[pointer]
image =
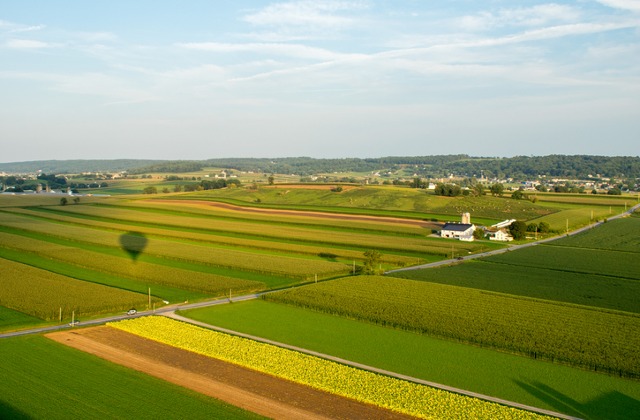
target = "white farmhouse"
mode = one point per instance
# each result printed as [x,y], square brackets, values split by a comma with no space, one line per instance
[461,231]
[500,235]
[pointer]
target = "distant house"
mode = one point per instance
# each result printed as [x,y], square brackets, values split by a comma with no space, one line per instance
[499,235]
[461,231]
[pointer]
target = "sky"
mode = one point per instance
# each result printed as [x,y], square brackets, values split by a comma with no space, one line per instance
[325,78]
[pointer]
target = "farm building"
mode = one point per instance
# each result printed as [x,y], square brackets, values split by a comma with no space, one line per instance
[499,235]
[462,231]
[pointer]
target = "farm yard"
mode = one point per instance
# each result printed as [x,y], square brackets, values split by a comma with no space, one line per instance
[542,314]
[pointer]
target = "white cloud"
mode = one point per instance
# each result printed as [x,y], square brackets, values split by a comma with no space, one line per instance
[282,49]
[306,13]
[633,5]
[538,15]
[26,44]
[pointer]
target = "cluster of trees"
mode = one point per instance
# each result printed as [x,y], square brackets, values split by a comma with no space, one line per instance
[205,184]
[519,229]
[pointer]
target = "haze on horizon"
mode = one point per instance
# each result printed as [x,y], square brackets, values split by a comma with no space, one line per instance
[327,78]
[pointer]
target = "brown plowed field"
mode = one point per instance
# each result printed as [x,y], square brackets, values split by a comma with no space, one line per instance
[250,390]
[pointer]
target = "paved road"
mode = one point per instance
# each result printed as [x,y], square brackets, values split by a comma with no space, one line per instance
[514,247]
[104,320]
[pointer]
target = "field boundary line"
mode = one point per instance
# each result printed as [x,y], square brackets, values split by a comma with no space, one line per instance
[372,369]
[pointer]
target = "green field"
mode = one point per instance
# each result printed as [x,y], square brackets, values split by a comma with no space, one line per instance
[403,201]
[10,318]
[596,268]
[571,287]
[616,235]
[586,337]
[43,379]
[49,296]
[560,388]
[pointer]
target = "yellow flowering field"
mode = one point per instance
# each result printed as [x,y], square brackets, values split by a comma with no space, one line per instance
[398,395]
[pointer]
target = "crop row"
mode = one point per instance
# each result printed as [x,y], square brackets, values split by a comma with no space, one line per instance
[616,235]
[227,212]
[45,295]
[129,268]
[66,226]
[215,256]
[414,399]
[589,338]
[563,286]
[266,230]
[578,260]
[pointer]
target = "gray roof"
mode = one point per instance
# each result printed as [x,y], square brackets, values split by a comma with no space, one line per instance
[457,227]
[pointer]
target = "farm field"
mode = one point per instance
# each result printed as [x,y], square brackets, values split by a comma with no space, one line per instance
[575,392]
[596,268]
[404,201]
[580,336]
[38,382]
[595,290]
[415,242]
[49,296]
[379,390]
[559,301]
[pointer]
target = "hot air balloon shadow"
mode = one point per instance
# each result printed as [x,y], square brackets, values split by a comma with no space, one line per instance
[133,243]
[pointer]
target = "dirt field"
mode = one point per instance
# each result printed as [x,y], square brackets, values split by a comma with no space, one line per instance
[253,391]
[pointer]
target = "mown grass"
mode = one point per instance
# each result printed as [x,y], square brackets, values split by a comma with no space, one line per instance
[46,380]
[571,391]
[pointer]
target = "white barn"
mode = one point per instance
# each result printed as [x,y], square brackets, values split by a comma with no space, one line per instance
[462,231]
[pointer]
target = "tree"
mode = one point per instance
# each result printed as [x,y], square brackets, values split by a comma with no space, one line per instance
[518,229]
[544,227]
[76,200]
[478,234]
[165,190]
[478,190]
[517,195]
[177,188]
[150,190]
[271,179]
[497,189]
[63,201]
[372,259]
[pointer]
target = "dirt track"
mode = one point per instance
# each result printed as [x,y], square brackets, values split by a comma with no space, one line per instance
[250,390]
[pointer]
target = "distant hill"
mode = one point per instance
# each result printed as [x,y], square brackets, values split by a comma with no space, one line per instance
[439,166]
[75,166]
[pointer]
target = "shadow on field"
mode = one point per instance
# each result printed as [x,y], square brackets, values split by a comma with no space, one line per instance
[7,411]
[133,243]
[611,406]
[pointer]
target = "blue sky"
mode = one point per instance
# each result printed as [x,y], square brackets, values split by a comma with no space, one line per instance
[204,79]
